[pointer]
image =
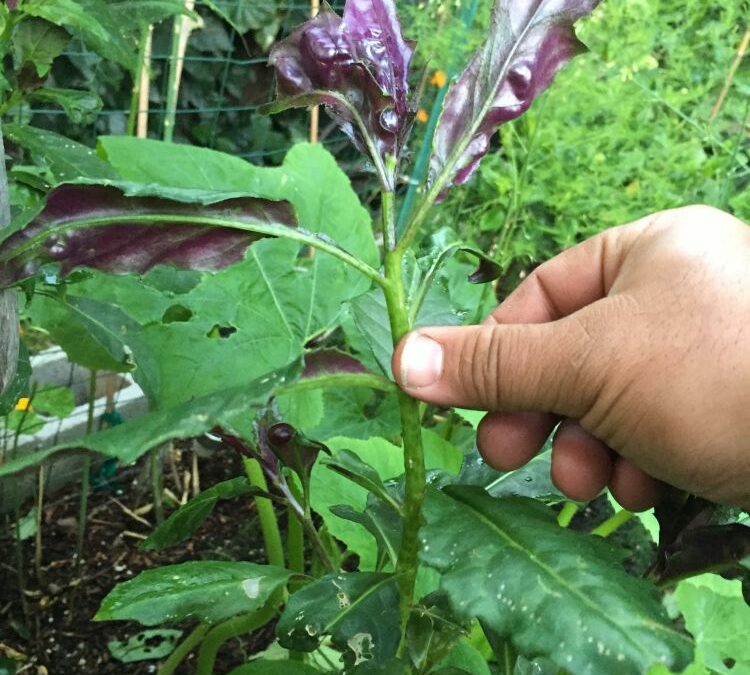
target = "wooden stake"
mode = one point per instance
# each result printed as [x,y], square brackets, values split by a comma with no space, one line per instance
[741,51]
[315,110]
[144,87]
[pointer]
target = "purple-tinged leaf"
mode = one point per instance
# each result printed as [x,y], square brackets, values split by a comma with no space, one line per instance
[330,361]
[99,227]
[357,67]
[529,42]
[11,4]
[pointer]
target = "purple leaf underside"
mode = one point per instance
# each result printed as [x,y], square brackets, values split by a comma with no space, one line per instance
[356,63]
[133,240]
[529,42]
[329,362]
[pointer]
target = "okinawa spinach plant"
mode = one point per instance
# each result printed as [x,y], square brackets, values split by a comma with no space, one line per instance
[451,561]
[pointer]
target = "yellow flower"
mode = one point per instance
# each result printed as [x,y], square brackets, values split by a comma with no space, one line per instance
[422,116]
[23,404]
[439,79]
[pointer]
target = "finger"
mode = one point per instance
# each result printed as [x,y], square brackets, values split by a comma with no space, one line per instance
[573,279]
[581,464]
[554,367]
[507,441]
[633,488]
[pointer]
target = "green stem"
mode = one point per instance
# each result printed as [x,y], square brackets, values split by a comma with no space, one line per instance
[183,649]
[389,220]
[268,523]
[39,525]
[411,430]
[232,628]
[176,60]
[613,524]
[565,516]
[156,219]
[295,537]
[137,79]
[85,472]
[340,380]
[157,488]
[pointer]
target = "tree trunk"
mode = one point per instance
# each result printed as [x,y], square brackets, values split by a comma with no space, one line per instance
[9,297]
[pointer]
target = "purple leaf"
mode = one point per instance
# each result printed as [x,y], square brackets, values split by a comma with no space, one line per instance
[97,226]
[330,361]
[357,66]
[529,42]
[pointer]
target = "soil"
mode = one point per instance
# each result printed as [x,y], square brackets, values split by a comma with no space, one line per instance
[54,633]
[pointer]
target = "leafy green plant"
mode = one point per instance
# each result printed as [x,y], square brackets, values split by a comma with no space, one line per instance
[275,352]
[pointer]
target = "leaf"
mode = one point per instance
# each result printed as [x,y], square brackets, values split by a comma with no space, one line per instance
[209,591]
[463,658]
[19,385]
[66,159]
[147,12]
[528,43]
[39,43]
[54,402]
[552,592]
[359,612]
[99,227]
[357,67]
[719,620]
[348,465]
[129,441]
[184,522]
[266,667]
[79,106]
[147,645]
[382,522]
[329,489]
[94,21]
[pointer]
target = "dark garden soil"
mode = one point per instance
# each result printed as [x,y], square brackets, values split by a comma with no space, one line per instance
[54,633]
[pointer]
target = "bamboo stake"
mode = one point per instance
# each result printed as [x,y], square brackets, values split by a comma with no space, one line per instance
[741,51]
[315,110]
[144,86]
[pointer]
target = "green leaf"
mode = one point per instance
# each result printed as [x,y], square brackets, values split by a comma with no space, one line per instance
[79,106]
[348,465]
[26,525]
[463,658]
[329,489]
[359,612]
[66,159]
[55,402]
[39,43]
[382,522]
[266,667]
[209,591]
[147,645]
[303,410]
[147,12]
[93,20]
[357,413]
[552,592]
[717,617]
[128,441]
[183,523]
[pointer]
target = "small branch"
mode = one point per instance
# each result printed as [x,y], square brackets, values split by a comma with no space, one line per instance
[567,513]
[268,523]
[183,649]
[612,524]
[741,51]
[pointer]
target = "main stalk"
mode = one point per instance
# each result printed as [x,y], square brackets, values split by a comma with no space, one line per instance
[411,428]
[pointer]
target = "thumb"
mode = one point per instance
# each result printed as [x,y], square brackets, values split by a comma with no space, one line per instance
[531,367]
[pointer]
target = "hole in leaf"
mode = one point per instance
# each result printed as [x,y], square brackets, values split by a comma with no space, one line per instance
[222,332]
[176,314]
[729,663]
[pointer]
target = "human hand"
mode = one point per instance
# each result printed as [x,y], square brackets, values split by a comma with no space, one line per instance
[638,339]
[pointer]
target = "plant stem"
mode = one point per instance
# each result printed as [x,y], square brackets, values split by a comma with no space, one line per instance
[613,524]
[39,523]
[389,220]
[183,649]
[156,484]
[268,523]
[234,627]
[85,472]
[339,380]
[565,516]
[183,26]
[141,73]
[411,430]
[295,537]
